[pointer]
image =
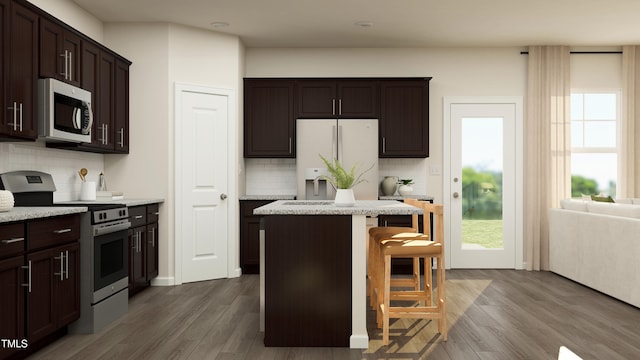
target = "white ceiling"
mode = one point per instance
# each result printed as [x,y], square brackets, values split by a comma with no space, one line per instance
[396,23]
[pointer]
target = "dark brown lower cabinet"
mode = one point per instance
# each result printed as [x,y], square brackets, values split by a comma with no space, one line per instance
[143,246]
[137,264]
[39,282]
[11,302]
[53,299]
[249,236]
[308,280]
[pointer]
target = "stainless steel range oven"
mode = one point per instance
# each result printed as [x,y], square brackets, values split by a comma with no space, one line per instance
[104,282]
[104,251]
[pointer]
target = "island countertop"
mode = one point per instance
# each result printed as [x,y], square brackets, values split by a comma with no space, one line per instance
[327,207]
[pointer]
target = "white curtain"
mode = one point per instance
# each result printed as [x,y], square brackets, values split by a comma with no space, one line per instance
[628,170]
[547,146]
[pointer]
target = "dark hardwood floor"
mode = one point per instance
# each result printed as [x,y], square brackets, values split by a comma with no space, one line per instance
[492,314]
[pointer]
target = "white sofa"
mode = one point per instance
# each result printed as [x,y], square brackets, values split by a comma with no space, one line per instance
[598,244]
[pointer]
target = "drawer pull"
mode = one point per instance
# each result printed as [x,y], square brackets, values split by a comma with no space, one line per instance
[11,241]
[156,213]
[138,217]
[61,231]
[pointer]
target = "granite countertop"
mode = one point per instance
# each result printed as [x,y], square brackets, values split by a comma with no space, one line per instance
[37,212]
[327,207]
[126,202]
[400,197]
[267,197]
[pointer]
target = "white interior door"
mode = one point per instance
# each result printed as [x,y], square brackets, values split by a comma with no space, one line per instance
[483,185]
[202,170]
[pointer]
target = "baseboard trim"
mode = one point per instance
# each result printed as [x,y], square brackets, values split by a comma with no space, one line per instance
[163,281]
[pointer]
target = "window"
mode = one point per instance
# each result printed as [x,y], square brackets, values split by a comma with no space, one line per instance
[594,142]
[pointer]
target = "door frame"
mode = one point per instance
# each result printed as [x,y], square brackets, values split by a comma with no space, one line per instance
[233,243]
[449,101]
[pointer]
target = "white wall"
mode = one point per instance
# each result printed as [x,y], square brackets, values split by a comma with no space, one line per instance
[163,55]
[455,72]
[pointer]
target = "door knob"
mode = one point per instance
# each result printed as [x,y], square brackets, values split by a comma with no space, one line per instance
[223,196]
[455,195]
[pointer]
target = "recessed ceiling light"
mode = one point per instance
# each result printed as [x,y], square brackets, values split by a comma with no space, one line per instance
[219,24]
[364,24]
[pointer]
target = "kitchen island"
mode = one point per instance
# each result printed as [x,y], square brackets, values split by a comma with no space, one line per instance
[313,271]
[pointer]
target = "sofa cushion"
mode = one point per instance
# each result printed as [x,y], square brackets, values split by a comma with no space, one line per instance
[624,210]
[573,204]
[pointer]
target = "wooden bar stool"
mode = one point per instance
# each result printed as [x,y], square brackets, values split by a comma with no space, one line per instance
[432,308]
[385,233]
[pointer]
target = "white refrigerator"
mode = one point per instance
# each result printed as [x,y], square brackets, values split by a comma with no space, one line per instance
[351,141]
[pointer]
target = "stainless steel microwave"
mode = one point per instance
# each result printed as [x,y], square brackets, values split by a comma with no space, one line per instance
[64,112]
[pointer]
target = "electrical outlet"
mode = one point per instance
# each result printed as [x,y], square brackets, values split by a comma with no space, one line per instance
[434,170]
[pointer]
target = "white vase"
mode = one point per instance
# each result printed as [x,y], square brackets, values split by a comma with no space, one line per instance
[405,190]
[344,197]
[389,185]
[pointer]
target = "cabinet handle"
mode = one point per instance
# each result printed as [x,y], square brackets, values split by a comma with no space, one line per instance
[65,72]
[138,217]
[70,66]
[16,107]
[105,134]
[62,267]
[66,262]
[121,131]
[28,284]
[153,237]
[290,146]
[139,236]
[135,242]
[333,106]
[11,241]
[61,231]
[15,116]
[384,145]
[156,213]
[340,107]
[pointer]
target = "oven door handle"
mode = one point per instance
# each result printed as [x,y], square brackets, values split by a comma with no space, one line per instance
[112,228]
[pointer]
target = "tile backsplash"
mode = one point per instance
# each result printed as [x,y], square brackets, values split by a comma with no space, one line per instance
[63,165]
[278,176]
[271,176]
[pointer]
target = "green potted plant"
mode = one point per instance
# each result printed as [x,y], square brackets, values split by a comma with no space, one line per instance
[405,188]
[343,181]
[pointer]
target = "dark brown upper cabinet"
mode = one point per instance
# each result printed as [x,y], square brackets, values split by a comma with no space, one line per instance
[106,76]
[121,106]
[19,40]
[33,45]
[343,98]
[404,118]
[60,53]
[269,118]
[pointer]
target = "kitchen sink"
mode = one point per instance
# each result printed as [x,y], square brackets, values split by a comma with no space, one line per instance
[308,203]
